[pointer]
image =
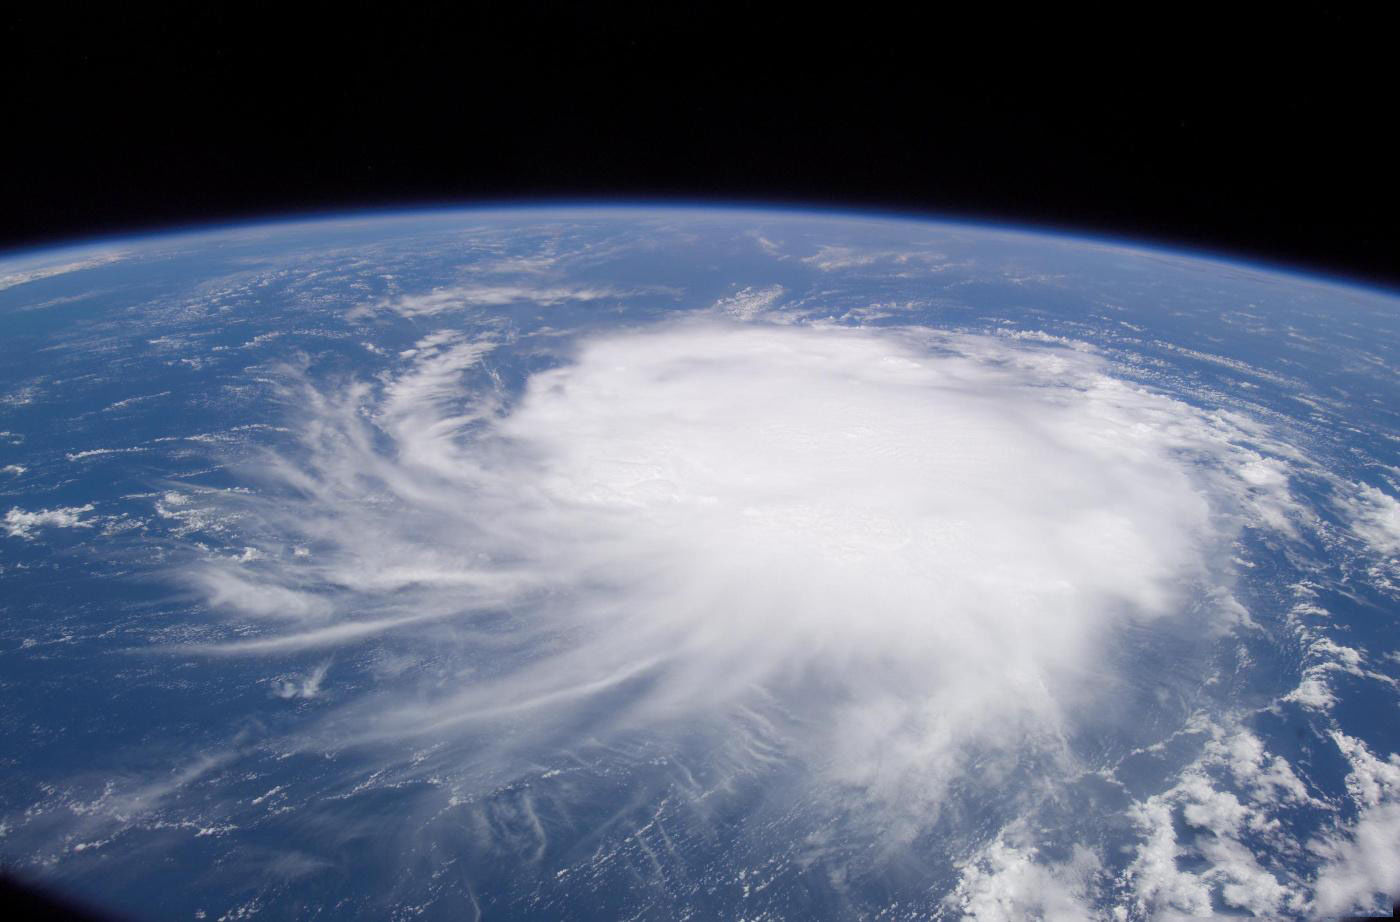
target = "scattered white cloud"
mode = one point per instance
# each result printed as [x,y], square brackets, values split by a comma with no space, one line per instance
[1323,656]
[1372,781]
[460,297]
[830,258]
[749,303]
[1221,833]
[1008,884]
[1158,884]
[21,524]
[1040,336]
[305,687]
[1375,519]
[1204,843]
[1313,692]
[21,396]
[1269,779]
[1236,365]
[766,245]
[187,516]
[1360,869]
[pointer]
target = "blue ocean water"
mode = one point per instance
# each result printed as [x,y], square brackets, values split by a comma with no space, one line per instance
[385,567]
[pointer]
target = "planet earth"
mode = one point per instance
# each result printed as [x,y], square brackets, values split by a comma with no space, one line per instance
[695,563]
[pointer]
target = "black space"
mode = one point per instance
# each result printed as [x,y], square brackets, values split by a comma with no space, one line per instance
[1266,139]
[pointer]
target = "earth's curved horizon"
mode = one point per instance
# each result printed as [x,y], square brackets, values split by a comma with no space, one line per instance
[639,561]
[1252,260]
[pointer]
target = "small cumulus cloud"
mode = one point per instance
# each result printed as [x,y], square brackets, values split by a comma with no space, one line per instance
[304,687]
[21,524]
[749,303]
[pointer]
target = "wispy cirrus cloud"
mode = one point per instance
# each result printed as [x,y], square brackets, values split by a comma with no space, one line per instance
[462,297]
[831,258]
[18,274]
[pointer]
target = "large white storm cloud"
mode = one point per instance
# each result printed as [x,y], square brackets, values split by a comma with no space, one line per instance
[908,565]
[916,545]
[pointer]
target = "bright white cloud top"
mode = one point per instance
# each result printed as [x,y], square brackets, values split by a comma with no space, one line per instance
[944,533]
[555,579]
